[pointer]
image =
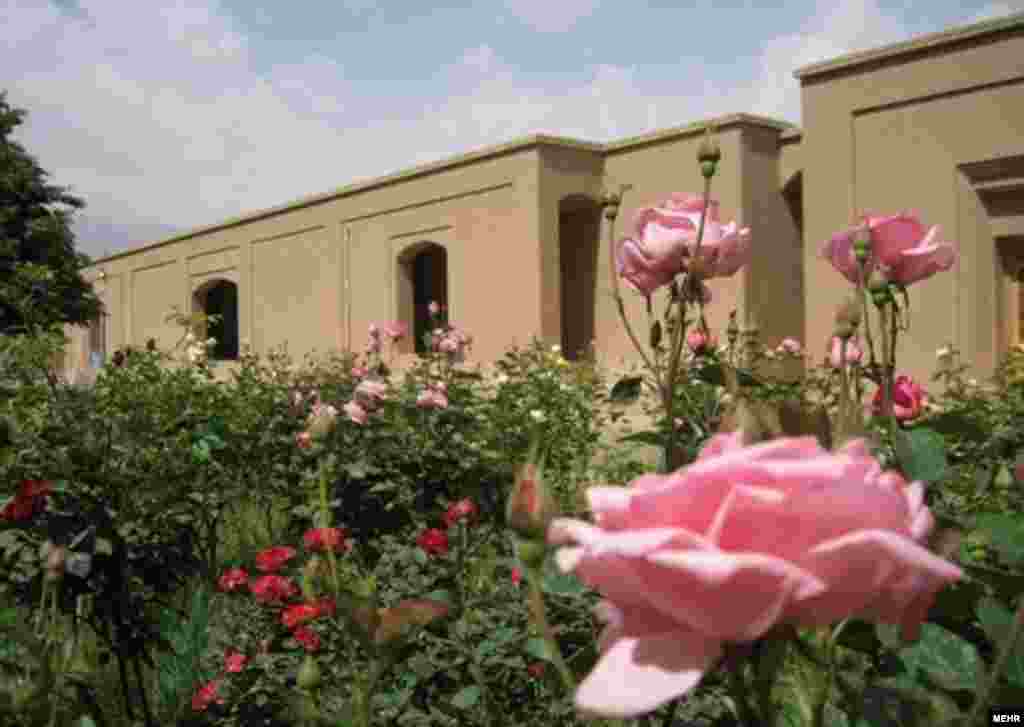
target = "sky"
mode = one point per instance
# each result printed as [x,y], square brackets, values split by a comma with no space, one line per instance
[169,115]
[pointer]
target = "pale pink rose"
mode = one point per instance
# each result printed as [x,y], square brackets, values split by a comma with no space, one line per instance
[359,372]
[433,308]
[908,399]
[743,540]
[432,399]
[449,345]
[665,237]
[370,392]
[439,386]
[355,412]
[853,352]
[396,331]
[304,440]
[791,346]
[905,249]
[374,330]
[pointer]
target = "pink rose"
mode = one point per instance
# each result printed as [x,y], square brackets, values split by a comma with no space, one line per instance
[433,308]
[355,412]
[853,352]
[274,589]
[359,372]
[233,579]
[665,236]
[304,440]
[396,331]
[432,399]
[791,346]
[904,248]
[206,696]
[744,539]
[908,399]
[369,393]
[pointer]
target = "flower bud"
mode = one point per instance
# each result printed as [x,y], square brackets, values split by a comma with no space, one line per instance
[733,330]
[396,621]
[862,245]
[709,151]
[848,314]
[321,421]
[55,563]
[530,509]
[708,169]
[531,553]
[309,674]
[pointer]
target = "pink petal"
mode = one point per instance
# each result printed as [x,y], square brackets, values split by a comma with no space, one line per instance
[638,674]
[874,569]
[712,591]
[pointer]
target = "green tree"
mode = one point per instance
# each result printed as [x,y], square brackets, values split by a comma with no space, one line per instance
[40,281]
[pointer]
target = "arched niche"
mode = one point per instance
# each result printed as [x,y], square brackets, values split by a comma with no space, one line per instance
[219,297]
[422,278]
[579,232]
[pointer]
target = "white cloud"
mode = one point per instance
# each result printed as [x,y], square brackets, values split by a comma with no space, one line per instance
[551,16]
[160,119]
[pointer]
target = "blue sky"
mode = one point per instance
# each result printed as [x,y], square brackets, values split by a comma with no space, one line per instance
[170,115]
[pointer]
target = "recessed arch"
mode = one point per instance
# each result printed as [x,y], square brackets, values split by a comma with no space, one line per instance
[579,231]
[219,297]
[793,194]
[422,271]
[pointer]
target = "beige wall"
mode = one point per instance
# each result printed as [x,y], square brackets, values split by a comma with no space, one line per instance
[896,134]
[935,125]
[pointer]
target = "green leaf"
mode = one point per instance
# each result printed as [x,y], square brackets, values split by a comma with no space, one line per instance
[997,620]
[466,697]
[1006,534]
[922,454]
[440,595]
[649,437]
[947,659]
[958,424]
[626,390]
[538,649]
[561,584]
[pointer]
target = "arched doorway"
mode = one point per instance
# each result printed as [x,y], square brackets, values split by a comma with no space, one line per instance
[220,298]
[579,231]
[422,279]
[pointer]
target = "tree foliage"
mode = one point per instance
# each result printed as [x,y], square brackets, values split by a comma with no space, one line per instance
[40,281]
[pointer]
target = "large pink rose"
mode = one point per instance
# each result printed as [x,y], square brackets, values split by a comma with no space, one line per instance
[743,540]
[665,237]
[908,399]
[905,249]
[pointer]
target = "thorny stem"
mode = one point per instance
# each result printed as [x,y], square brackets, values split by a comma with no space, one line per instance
[1005,650]
[615,288]
[541,620]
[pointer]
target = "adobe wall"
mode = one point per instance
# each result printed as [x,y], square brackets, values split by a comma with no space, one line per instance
[902,133]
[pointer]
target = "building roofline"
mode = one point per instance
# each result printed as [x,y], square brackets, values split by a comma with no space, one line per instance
[509,147]
[919,44]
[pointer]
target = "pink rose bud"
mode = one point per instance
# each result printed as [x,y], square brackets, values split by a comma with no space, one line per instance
[853,352]
[304,440]
[433,308]
[698,341]
[530,508]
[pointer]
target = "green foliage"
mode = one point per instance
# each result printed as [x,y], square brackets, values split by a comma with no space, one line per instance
[179,670]
[40,284]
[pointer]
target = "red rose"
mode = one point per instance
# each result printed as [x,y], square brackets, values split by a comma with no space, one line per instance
[206,696]
[321,539]
[464,509]
[433,541]
[30,500]
[517,575]
[234,662]
[233,579]
[307,637]
[299,614]
[536,669]
[274,589]
[271,559]
[326,607]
